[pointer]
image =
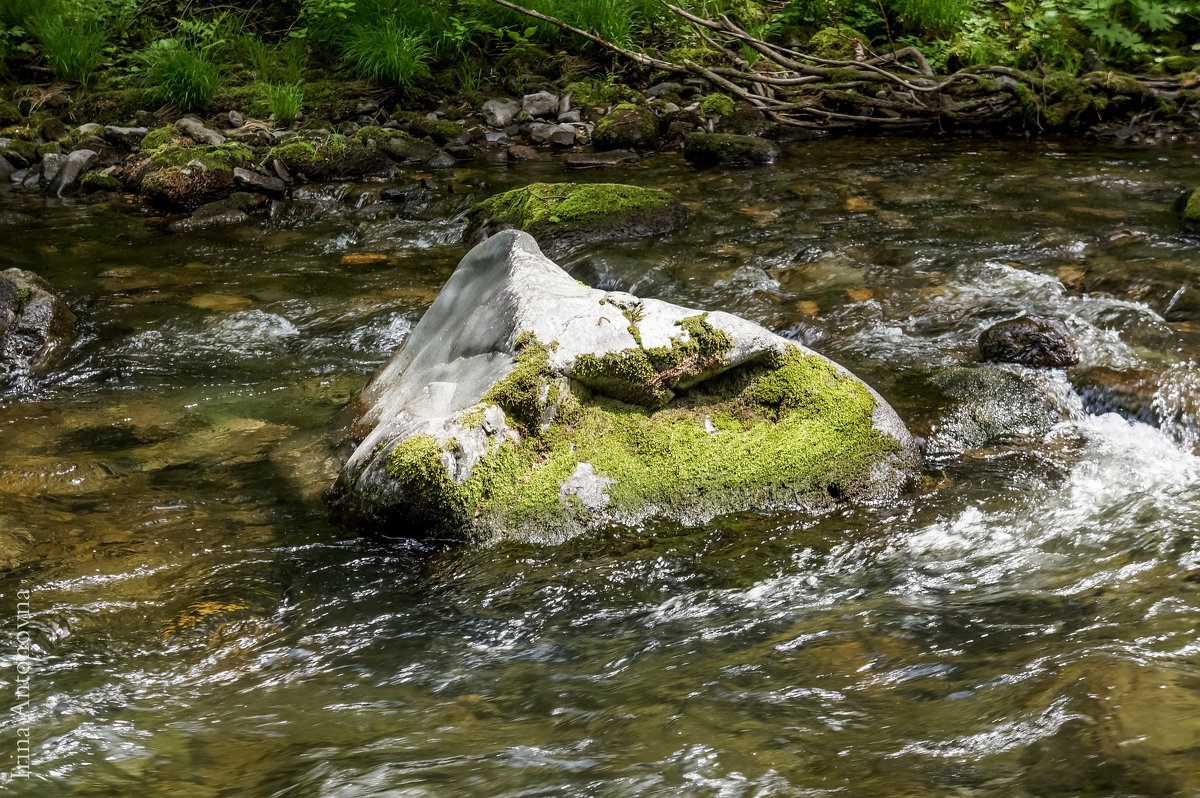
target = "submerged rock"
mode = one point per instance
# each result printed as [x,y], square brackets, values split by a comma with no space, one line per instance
[728,149]
[36,327]
[1038,341]
[565,215]
[526,404]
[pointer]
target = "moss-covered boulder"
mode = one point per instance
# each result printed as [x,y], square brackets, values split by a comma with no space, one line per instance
[330,157]
[627,126]
[527,405]
[36,326]
[1188,208]
[566,215]
[728,149]
[180,175]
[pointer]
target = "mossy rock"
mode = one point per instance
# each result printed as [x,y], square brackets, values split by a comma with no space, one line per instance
[443,132]
[10,114]
[1179,64]
[96,183]
[116,107]
[398,145]
[728,149]
[558,408]
[836,44]
[717,105]
[330,157]
[1188,208]
[627,126]
[179,175]
[159,137]
[567,215]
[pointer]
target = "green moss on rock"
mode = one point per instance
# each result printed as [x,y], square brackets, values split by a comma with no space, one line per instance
[329,157]
[94,182]
[728,149]
[789,433]
[626,126]
[836,44]
[160,137]
[563,214]
[1188,208]
[717,105]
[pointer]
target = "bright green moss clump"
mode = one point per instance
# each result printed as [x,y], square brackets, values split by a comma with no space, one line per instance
[784,433]
[557,203]
[1188,207]
[717,105]
[160,137]
[213,157]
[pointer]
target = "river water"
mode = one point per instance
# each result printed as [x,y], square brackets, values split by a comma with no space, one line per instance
[1023,625]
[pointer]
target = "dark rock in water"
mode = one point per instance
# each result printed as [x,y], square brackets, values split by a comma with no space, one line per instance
[68,174]
[525,405]
[1038,341]
[224,213]
[1188,208]
[728,149]
[96,183]
[443,160]
[566,215]
[36,327]
[668,87]
[1127,392]
[989,406]
[6,170]
[256,181]
[625,127]
[523,152]
[594,160]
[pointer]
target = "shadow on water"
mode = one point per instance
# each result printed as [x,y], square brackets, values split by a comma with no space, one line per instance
[1023,626]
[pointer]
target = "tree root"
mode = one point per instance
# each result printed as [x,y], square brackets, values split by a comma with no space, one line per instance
[899,90]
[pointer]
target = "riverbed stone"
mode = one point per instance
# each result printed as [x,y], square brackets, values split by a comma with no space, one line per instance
[331,156]
[728,149]
[500,113]
[566,215]
[627,126]
[68,174]
[36,326]
[525,405]
[540,104]
[256,181]
[1188,208]
[198,132]
[128,137]
[180,176]
[6,170]
[597,160]
[1038,341]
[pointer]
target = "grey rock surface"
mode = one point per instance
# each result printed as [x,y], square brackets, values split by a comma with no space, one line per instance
[69,173]
[434,393]
[36,326]
[195,130]
[500,113]
[542,103]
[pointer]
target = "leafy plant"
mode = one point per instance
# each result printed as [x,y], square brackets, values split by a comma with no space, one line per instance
[388,53]
[72,44]
[285,101]
[185,75]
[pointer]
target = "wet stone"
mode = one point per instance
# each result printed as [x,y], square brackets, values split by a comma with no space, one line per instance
[1038,341]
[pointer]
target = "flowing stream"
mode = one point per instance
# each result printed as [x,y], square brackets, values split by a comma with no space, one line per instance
[1024,625]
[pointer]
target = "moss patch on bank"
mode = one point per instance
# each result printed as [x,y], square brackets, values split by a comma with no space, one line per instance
[785,433]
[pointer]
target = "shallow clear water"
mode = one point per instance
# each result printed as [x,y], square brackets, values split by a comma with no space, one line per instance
[1025,625]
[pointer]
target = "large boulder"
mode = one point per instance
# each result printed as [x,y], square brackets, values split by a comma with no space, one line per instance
[527,405]
[566,215]
[36,327]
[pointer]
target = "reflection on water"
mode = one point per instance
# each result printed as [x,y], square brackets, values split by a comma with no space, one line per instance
[1025,626]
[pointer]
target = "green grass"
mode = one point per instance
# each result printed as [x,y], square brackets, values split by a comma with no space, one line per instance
[72,45]
[285,101]
[185,76]
[388,54]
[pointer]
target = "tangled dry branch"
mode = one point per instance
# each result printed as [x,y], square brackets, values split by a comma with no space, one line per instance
[897,90]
